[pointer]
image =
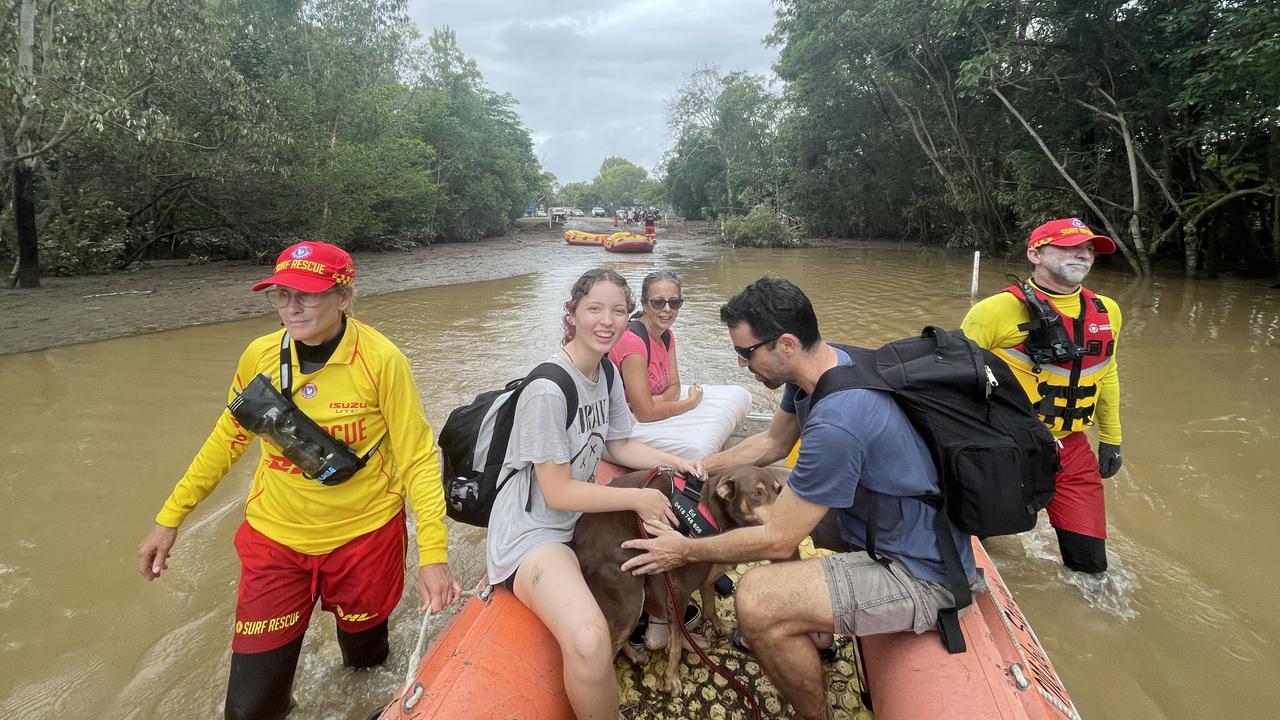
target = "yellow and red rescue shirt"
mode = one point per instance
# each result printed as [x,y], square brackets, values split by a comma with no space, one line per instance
[993,324]
[363,394]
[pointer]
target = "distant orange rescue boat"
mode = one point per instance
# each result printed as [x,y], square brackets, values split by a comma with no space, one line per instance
[629,242]
[578,237]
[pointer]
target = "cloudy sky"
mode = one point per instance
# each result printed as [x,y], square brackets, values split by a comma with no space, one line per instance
[592,76]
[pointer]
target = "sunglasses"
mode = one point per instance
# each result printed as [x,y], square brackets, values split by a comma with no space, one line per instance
[660,303]
[745,352]
[281,298]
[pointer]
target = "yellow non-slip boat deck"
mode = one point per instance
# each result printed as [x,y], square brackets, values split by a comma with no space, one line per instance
[707,695]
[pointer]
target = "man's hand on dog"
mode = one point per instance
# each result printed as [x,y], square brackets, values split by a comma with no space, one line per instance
[662,552]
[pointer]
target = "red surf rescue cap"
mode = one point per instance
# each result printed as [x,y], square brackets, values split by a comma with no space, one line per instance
[311,266]
[1069,232]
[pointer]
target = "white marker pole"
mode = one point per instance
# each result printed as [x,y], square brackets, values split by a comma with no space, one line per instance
[973,286]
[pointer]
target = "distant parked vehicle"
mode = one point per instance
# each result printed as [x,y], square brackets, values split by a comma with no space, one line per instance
[597,211]
[540,213]
[559,213]
[577,213]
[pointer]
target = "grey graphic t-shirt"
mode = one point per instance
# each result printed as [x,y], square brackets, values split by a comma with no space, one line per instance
[539,436]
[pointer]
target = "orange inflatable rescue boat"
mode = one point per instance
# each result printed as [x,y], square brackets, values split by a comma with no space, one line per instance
[578,237]
[496,660]
[629,242]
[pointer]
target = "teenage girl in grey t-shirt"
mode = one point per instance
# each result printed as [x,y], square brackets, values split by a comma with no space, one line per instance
[528,551]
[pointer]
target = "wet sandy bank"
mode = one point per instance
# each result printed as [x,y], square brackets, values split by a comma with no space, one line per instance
[165,296]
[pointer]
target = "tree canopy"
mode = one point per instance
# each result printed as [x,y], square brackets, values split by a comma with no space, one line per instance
[619,183]
[971,121]
[229,128]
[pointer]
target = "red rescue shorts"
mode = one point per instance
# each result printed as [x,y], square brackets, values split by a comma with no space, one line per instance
[360,583]
[1078,504]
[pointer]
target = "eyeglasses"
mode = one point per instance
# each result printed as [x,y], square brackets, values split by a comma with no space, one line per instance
[282,298]
[745,352]
[660,303]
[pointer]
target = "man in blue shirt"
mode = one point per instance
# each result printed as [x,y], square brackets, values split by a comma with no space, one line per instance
[858,449]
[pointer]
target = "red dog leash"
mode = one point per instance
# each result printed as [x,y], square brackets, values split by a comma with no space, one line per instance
[677,613]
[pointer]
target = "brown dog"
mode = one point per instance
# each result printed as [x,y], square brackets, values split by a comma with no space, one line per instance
[740,496]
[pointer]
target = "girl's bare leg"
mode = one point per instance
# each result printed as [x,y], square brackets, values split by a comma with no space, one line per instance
[550,584]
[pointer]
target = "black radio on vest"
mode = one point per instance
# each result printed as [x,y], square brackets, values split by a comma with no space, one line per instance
[1047,340]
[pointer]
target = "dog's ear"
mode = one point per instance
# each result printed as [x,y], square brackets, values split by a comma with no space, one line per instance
[726,489]
[714,475]
[778,476]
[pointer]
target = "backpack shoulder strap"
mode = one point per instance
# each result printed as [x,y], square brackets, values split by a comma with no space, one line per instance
[666,339]
[606,367]
[637,327]
[861,374]
[506,415]
[558,375]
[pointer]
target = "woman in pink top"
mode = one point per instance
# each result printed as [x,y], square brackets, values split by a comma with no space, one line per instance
[652,379]
[690,420]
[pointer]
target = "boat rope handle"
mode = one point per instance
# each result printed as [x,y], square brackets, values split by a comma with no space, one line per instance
[416,658]
[417,650]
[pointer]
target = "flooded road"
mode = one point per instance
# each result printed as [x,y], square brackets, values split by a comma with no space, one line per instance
[1183,629]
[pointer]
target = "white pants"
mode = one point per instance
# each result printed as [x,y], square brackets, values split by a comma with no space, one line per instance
[702,430]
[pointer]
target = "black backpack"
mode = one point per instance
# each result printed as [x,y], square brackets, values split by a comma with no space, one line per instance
[473,441]
[996,460]
[638,328]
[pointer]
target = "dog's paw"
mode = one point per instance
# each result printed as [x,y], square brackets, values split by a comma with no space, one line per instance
[723,628]
[639,657]
[673,683]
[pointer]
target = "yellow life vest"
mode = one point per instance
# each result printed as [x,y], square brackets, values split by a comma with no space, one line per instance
[1065,393]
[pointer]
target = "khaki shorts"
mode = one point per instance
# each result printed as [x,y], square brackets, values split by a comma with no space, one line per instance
[868,598]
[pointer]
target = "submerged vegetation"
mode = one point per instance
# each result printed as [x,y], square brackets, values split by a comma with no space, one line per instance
[762,227]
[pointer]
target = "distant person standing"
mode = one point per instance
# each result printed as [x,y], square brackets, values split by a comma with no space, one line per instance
[1060,339]
[650,218]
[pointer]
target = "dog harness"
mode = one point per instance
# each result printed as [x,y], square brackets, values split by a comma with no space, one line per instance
[686,502]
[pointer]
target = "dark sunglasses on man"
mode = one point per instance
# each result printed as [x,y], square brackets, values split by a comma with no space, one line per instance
[745,352]
[660,303]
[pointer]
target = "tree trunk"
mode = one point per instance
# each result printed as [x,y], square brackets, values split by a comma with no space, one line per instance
[1275,230]
[1190,250]
[1273,160]
[1139,263]
[1135,234]
[26,273]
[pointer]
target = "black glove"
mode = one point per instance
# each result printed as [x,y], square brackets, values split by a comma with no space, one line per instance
[1108,459]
